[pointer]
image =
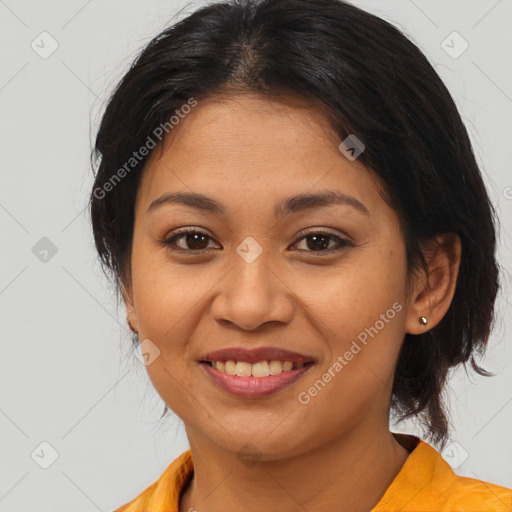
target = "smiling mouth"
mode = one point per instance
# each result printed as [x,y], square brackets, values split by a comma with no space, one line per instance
[264,368]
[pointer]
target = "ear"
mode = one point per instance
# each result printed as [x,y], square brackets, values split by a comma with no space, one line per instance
[433,291]
[131,314]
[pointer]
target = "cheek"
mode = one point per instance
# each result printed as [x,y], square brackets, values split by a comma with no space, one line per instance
[353,295]
[355,381]
[166,303]
[359,311]
[165,293]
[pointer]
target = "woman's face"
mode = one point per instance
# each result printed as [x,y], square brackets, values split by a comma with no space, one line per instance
[315,282]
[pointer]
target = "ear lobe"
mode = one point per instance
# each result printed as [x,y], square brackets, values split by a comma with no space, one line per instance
[434,292]
[131,314]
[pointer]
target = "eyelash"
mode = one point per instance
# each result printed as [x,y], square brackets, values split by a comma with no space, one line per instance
[169,242]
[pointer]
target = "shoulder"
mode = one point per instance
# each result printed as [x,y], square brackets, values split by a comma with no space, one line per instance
[427,483]
[471,494]
[164,494]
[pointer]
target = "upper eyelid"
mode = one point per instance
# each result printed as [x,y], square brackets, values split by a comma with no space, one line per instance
[186,231]
[312,231]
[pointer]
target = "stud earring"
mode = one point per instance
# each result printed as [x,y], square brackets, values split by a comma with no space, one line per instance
[422,320]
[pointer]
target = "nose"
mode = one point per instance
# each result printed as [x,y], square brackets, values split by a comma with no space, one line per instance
[253,294]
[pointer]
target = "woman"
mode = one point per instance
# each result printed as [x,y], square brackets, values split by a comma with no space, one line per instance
[289,202]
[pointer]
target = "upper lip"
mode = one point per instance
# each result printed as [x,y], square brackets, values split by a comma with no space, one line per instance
[256,355]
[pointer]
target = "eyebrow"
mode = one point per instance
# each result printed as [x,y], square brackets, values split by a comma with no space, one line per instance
[288,206]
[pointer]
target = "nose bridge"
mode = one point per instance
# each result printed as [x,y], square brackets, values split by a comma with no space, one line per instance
[251,293]
[253,273]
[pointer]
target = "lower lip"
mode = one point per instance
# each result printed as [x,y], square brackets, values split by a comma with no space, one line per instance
[254,387]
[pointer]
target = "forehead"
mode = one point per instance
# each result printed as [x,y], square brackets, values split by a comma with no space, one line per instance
[246,122]
[253,144]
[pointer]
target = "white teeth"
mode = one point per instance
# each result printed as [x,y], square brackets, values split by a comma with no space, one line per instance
[275,367]
[259,369]
[230,368]
[287,366]
[243,369]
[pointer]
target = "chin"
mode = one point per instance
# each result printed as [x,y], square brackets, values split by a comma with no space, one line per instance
[263,444]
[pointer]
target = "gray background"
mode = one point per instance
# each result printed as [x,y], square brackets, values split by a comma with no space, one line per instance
[68,376]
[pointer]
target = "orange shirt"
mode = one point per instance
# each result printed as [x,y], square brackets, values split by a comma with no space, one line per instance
[425,483]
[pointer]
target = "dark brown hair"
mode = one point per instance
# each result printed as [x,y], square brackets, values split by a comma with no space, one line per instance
[369,80]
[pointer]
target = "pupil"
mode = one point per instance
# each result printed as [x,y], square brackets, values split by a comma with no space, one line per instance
[315,242]
[195,237]
[316,239]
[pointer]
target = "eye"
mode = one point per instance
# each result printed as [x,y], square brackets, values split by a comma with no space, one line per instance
[192,240]
[318,241]
[195,241]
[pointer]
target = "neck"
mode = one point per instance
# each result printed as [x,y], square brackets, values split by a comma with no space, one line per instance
[350,473]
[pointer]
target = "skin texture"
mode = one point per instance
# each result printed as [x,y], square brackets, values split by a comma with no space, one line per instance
[249,153]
